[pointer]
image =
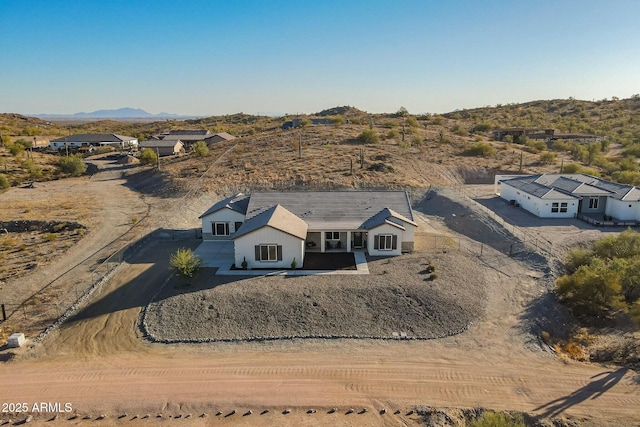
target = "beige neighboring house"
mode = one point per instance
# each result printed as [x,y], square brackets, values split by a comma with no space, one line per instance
[164,147]
[270,229]
[219,137]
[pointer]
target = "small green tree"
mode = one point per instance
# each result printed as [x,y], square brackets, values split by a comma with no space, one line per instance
[185,263]
[369,136]
[4,182]
[72,165]
[148,156]
[200,149]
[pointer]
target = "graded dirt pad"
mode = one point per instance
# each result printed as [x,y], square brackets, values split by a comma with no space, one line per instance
[398,297]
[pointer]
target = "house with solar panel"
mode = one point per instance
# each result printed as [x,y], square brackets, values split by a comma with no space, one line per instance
[270,229]
[587,197]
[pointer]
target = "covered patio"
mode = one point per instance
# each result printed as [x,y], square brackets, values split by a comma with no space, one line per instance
[335,241]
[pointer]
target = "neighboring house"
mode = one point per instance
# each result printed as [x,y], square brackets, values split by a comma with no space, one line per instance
[94,139]
[163,147]
[188,137]
[549,135]
[269,229]
[219,137]
[571,195]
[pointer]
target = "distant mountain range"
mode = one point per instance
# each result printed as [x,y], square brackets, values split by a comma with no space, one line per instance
[120,113]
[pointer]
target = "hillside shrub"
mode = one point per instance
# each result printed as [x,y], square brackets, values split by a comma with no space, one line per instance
[200,149]
[548,158]
[338,120]
[72,165]
[571,168]
[4,182]
[495,419]
[369,136]
[412,121]
[604,279]
[535,145]
[482,149]
[148,156]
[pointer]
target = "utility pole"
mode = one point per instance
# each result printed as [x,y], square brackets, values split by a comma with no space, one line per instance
[158,157]
[520,170]
[300,146]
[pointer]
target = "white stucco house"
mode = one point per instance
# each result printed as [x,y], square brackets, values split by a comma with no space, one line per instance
[572,195]
[270,229]
[95,140]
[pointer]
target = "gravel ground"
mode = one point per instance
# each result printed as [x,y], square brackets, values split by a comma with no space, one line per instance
[398,296]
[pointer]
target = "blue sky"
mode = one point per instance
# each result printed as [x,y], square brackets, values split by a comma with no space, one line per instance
[221,57]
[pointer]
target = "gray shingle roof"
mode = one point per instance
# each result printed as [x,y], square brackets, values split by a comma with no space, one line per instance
[94,138]
[573,186]
[275,217]
[152,143]
[386,216]
[237,202]
[340,210]
[202,132]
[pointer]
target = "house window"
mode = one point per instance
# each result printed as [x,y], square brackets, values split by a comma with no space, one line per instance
[593,203]
[385,242]
[563,207]
[332,235]
[220,228]
[554,207]
[268,253]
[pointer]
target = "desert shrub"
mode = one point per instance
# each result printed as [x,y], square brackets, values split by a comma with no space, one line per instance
[416,140]
[481,149]
[393,134]
[4,182]
[495,419]
[16,149]
[629,163]
[200,149]
[148,156]
[459,130]
[369,136]
[482,127]
[412,121]
[338,120]
[627,177]
[560,146]
[605,279]
[548,158]
[50,237]
[536,145]
[571,168]
[72,165]
[185,263]
[577,258]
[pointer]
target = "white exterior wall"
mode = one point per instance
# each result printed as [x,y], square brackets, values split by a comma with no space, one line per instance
[539,207]
[292,247]
[623,210]
[58,145]
[384,229]
[223,215]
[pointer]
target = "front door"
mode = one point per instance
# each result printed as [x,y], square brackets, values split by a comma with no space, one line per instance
[357,239]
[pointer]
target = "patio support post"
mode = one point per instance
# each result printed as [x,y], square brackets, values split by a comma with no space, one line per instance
[322,242]
[348,241]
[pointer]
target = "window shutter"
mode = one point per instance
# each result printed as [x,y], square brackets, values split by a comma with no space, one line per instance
[375,241]
[279,249]
[394,243]
[257,252]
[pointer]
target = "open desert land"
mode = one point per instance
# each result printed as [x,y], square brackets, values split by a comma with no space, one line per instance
[474,331]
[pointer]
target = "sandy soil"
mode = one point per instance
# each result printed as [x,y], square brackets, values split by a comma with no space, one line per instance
[99,363]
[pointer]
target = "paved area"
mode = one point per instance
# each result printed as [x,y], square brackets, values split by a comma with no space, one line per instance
[219,254]
[214,253]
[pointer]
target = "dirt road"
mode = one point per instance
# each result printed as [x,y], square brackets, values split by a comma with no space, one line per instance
[99,364]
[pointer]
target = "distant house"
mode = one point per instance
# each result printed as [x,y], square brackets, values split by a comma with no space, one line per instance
[188,137]
[95,140]
[572,195]
[218,137]
[269,229]
[164,147]
[549,135]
